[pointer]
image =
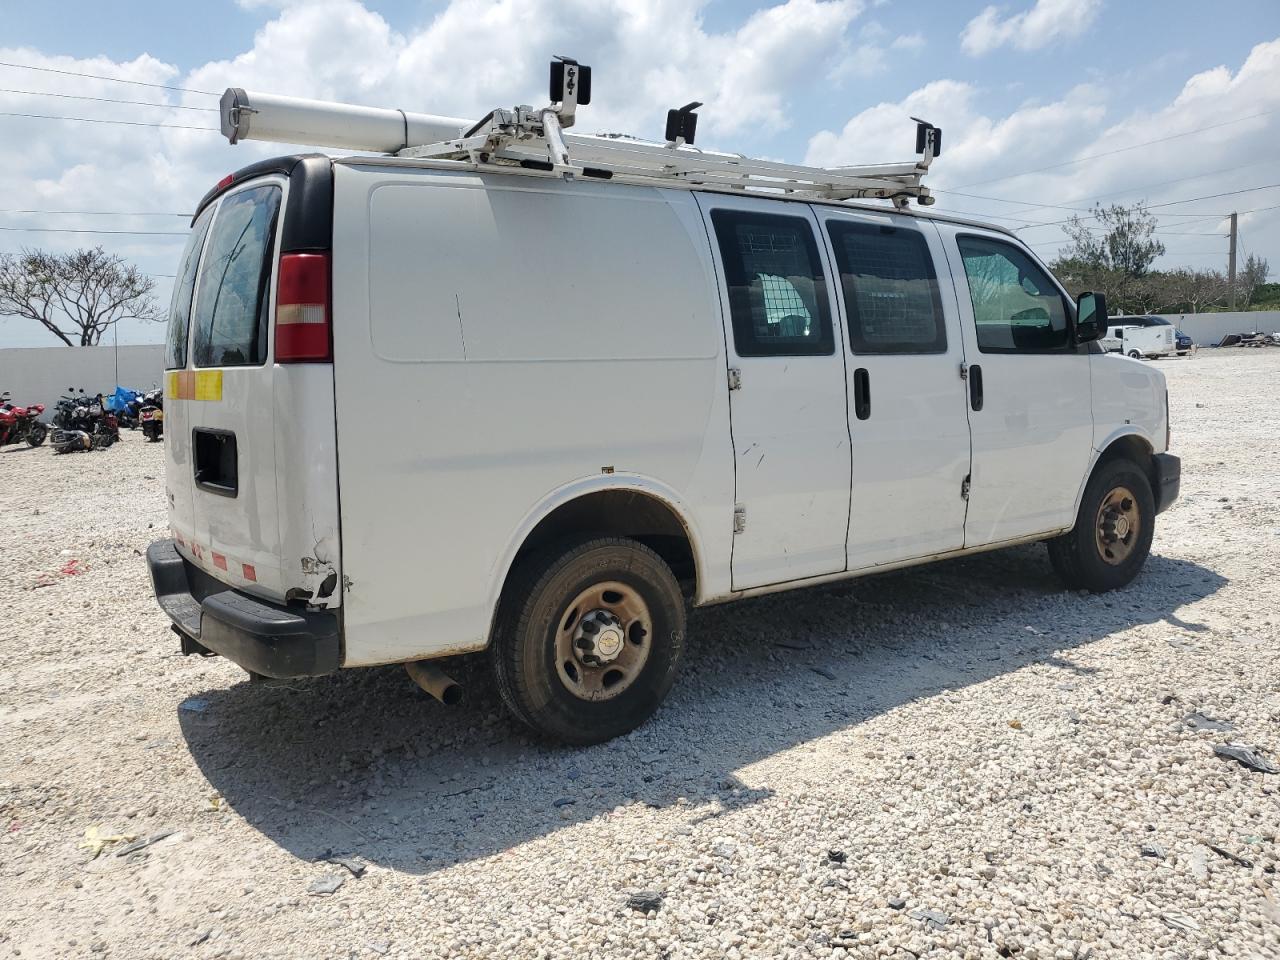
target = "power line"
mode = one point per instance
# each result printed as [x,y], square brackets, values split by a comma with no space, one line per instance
[102,213]
[1110,153]
[127,123]
[1170,203]
[94,76]
[145,233]
[134,103]
[1102,196]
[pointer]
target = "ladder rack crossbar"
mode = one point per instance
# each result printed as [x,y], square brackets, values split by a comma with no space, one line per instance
[650,161]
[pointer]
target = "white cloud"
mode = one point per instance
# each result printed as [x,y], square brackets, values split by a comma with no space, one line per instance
[985,156]
[1046,22]
[474,55]
[646,58]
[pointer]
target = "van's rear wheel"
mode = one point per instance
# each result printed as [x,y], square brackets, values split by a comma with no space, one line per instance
[1135,354]
[1113,531]
[588,639]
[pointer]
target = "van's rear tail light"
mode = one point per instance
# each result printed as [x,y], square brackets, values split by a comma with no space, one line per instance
[302,309]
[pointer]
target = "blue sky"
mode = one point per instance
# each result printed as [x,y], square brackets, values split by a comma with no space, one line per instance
[1016,86]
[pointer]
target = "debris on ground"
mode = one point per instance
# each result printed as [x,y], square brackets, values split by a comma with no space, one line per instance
[1228,855]
[194,705]
[143,842]
[1246,756]
[646,901]
[95,841]
[1153,850]
[1199,721]
[323,886]
[1180,921]
[896,903]
[932,918]
[353,865]
[836,856]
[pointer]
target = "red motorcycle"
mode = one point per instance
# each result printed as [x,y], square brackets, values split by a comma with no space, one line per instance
[21,423]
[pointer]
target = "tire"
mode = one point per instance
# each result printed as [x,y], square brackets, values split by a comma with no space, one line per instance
[37,433]
[547,671]
[1135,354]
[1098,558]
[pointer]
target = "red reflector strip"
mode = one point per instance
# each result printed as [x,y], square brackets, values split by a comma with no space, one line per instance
[302,341]
[220,561]
[249,572]
[225,181]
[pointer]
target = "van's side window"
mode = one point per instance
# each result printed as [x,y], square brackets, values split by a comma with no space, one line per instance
[1016,307]
[890,289]
[175,351]
[777,290]
[230,318]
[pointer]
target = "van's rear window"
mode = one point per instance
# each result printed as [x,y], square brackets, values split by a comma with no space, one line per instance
[229,320]
[175,351]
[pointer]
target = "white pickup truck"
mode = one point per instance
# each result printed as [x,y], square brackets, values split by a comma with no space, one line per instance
[419,407]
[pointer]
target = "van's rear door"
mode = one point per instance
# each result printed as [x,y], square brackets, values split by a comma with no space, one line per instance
[251,464]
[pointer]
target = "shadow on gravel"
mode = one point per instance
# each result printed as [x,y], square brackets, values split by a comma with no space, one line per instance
[365,763]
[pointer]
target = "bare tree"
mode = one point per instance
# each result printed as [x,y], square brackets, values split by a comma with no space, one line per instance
[75,296]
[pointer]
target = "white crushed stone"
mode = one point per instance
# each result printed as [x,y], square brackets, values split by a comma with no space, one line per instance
[991,758]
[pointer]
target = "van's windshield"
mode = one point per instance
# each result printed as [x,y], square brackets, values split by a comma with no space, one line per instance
[229,321]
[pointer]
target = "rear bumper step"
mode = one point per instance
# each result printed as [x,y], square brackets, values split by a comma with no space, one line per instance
[263,638]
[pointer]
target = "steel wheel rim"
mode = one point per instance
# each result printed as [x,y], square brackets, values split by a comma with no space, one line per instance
[607,678]
[1118,526]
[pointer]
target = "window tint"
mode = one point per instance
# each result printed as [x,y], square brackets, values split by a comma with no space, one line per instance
[230,318]
[175,351]
[890,289]
[777,291]
[1016,307]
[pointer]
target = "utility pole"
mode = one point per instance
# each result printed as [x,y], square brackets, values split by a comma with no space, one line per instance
[1231,264]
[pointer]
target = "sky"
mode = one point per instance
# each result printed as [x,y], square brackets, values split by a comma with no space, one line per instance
[1046,106]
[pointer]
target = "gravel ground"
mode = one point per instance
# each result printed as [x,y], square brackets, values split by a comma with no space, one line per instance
[963,760]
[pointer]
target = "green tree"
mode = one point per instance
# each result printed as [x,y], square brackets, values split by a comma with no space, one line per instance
[1126,243]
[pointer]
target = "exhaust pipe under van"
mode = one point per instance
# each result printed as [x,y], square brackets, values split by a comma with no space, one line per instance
[435,681]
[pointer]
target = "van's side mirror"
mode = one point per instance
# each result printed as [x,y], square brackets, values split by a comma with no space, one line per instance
[1091,316]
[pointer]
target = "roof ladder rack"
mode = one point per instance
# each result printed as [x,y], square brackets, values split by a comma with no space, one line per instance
[536,139]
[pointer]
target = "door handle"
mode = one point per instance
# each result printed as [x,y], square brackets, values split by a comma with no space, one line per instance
[975,387]
[861,393]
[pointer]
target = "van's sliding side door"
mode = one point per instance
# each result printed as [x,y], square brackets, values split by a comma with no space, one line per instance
[907,400]
[787,390]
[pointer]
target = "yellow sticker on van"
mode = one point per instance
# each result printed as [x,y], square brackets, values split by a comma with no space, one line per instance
[194,385]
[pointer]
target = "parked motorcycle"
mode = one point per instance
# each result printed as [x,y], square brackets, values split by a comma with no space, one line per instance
[83,423]
[21,423]
[125,404]
[151,415]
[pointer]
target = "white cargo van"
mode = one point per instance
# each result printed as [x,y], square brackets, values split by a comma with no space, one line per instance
[419,407]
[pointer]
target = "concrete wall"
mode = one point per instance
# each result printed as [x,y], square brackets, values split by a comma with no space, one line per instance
[42,374]
[1206,329]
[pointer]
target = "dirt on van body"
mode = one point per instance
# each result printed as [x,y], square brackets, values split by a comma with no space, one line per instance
[961,760]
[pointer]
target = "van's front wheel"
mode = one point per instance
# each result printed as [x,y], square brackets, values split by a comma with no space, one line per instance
[1113,531]
[588,639]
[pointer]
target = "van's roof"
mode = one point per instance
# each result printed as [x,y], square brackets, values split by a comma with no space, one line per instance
[285,165]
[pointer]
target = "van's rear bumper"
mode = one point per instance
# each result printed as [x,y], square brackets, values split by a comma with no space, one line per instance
[262,637]
[1168,480]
